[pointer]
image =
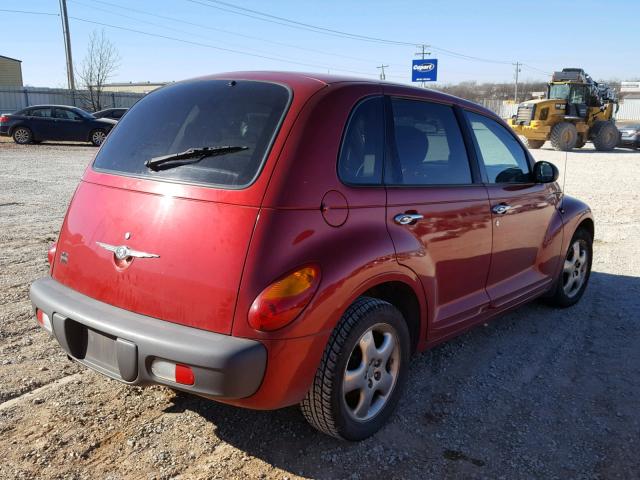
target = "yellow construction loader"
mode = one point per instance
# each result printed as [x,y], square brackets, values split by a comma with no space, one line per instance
[577,109]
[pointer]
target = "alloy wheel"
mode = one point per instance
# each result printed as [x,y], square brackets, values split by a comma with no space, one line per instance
[371,372]
[575,269]
[22,135]
[98,137]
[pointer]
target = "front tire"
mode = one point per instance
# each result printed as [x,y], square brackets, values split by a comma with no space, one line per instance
[97,137]
[363,369]
[606,136]
[564,136]
[576,270]
[22,136]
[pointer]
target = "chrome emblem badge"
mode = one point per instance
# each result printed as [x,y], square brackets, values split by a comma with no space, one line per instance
[122,252]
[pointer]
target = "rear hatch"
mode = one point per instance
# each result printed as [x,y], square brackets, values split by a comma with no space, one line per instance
[167,239]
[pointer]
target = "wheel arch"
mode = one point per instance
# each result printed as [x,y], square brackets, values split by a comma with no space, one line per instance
[18,125]
[402,296]
[587,224]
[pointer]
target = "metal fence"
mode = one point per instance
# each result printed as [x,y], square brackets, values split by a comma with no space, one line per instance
[629,109]
[17,98]
[504,109]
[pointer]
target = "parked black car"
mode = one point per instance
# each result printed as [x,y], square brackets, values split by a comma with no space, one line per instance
[629,135]
[112,113]
[55,122]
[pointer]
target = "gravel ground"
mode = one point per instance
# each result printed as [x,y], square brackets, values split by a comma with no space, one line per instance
[539,393]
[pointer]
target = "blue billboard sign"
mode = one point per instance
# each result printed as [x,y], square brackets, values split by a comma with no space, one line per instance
[425,70]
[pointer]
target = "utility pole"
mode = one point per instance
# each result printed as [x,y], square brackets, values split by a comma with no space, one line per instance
[67,44]
[381,68]
[423,53]
[515,94]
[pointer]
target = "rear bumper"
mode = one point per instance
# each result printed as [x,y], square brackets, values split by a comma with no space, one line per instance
[224,366]
[4,131]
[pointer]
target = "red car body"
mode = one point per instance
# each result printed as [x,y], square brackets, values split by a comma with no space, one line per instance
[220,248]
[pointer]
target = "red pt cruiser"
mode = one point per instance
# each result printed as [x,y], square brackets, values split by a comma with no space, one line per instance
[267,239]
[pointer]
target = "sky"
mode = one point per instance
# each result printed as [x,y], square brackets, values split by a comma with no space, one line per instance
[207,36]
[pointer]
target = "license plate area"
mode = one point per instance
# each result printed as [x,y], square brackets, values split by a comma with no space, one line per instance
[106,353]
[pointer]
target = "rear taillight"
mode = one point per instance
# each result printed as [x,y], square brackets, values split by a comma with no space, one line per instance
[281,302]
[174,372]
[51,253]
[4,118]
[43,320]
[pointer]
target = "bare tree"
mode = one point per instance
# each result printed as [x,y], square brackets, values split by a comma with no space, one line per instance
[99,64]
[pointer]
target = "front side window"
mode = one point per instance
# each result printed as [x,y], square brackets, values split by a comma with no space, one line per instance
[503,158]
[64,114]
[429,146]
[361,154]
[195,115]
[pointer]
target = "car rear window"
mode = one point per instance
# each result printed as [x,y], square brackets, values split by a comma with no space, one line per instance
[194,114]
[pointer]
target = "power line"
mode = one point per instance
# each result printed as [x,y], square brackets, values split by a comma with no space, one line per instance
[302,25]
[535,69]
[30,12]
[293,23]
[208,27]
[266,17]
[207,45]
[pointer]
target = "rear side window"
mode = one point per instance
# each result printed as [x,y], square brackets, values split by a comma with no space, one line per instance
[429,146]
[500,153]
[41,112]
[362,148]
[201,113]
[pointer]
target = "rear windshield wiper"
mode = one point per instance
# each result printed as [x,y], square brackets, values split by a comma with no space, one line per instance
[192,155]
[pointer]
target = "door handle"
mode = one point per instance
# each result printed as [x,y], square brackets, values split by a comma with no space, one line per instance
[407,218]
[501,209]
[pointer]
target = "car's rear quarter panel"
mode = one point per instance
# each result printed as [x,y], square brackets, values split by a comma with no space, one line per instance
[291,231]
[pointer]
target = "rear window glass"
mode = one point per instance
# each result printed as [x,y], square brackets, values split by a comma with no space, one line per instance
[201,113]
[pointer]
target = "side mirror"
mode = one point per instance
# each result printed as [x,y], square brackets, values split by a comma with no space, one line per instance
[545,172]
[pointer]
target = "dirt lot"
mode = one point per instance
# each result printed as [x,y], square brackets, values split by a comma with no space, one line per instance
[540,393]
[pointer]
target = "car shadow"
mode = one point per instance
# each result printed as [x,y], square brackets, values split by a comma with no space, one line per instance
[63,144]
[581,151]
[439,381]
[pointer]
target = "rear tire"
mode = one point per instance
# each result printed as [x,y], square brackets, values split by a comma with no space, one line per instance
[576,270]
[606,136]
[564,136]
[363,369]
[97,137]
[533,144]
[22,135]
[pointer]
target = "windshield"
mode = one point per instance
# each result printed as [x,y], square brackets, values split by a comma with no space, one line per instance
[196,114]
[571,93]
[559,91]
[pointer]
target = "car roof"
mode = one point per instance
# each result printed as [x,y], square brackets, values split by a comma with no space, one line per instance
[294,79]
[69,107]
